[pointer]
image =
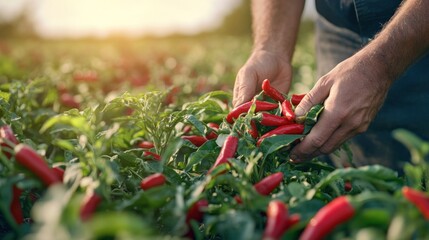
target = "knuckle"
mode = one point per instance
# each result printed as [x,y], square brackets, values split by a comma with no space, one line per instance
[316,142]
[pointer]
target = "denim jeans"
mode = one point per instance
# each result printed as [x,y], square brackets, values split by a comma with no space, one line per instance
[406,105]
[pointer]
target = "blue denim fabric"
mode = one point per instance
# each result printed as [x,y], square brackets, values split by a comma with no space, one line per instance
[406,105]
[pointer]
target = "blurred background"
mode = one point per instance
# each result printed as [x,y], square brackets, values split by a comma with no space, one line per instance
[126,45]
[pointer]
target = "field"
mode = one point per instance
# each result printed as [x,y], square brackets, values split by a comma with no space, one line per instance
[131,139]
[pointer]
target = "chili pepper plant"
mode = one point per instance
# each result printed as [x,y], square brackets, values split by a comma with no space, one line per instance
[138,165]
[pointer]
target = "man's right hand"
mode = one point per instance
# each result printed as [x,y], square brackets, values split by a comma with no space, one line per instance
[262,65]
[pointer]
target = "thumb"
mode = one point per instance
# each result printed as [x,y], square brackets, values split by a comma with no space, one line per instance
[244,87]
[316,95]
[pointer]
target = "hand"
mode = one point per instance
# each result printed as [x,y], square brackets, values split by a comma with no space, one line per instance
[261,65]
[352,92]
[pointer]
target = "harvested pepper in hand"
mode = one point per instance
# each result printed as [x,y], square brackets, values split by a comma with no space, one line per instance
[227,151]
[296,98]
[295,128]
[271,92]
[287,110]
[418,199]
[328,217]
[243,108]
[268,119]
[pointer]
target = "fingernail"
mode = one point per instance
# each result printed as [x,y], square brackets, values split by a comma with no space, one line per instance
[294,158]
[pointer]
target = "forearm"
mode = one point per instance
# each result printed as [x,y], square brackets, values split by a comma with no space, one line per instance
[275,24]
[403,40]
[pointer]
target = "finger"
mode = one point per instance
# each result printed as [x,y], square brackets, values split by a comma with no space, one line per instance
[318,136]
[316,95]
[341,135]
[244,87]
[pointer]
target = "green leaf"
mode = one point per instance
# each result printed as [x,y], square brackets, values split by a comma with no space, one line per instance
[311,117]
[275,143]
[196,123]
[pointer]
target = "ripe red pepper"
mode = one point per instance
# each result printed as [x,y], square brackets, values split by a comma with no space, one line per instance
[213,125]
[271,91]
[296,98]
[195,211]
[15,205]
[31,160]
[196,140]
[268,119]
[227,151]
[295,128]
[287,110]
[186,129]
[59,172]
[213,133]
[89,206]
[419,199]
[7,139]
[243,108]
[146,145]
[152,155]
[277,220]
[69,101]
[348,186]
[253,130]
[328,217]
[269,183]
[151,181]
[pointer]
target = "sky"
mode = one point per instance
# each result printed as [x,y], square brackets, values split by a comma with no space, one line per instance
[75,18]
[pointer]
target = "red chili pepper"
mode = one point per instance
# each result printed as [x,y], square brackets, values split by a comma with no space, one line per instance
[269,183]
[214,128]
[277,220]
[295,128]
[146,145]
[287,110]
[348,186]
[213,125]
[152,155]
[238,199]
[271,91]
[268,119]
[196,140]
[59,172]
[253,130]
[419,199]
[211,135]
[151,181]
[328,217]
[296,98]
[293,219]
[228,151]
[69,100]
[186,129]
[195,212]
[31,160]
[260,106]
[15,205]
[89,206]
[7,139]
